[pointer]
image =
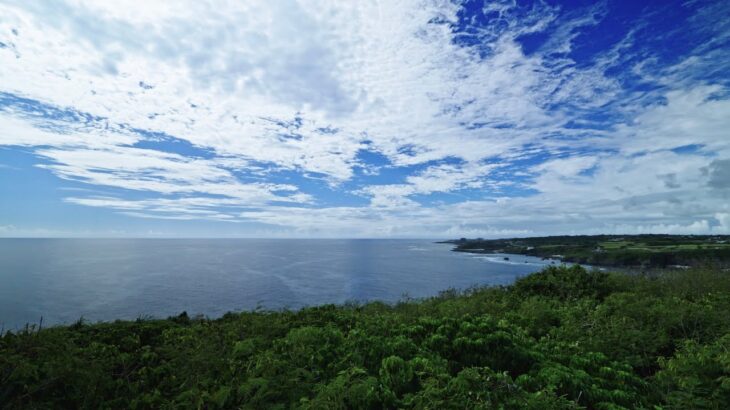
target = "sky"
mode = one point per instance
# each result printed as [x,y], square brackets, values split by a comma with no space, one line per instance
[410,118]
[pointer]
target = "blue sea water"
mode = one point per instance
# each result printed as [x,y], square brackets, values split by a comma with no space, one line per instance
[106,279]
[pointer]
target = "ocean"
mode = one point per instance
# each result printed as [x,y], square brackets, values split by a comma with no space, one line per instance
[63,280]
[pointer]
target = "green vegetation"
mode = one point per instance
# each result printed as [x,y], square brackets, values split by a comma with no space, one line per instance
[561,338]
[647,251]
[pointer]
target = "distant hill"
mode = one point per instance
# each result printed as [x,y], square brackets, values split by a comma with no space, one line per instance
[649,251]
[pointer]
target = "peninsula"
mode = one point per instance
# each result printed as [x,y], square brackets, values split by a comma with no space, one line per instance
[639,251]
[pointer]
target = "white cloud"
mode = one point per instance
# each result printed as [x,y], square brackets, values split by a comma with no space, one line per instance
[165,173]
[438,178]
[375,71]
[16,131]
[567,167]
[304,86]
[689,116]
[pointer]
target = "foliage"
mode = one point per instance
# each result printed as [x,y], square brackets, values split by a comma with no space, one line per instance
[558,339]
[565,283]
[698,376]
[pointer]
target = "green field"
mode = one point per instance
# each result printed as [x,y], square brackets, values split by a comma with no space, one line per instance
[638,245]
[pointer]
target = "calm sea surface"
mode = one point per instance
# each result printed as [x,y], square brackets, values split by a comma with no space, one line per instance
[64,279]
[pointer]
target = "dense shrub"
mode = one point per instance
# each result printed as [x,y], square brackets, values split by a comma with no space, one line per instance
[563,282]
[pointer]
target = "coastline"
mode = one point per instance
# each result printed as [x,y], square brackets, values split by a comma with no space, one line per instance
[625,252]
[546,340]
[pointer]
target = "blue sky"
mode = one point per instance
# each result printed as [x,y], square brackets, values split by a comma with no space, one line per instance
[430,119]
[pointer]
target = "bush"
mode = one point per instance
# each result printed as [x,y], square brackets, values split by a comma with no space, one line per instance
[563,282]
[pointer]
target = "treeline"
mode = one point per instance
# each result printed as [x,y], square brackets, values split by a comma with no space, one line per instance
[563,338]
[651,259]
